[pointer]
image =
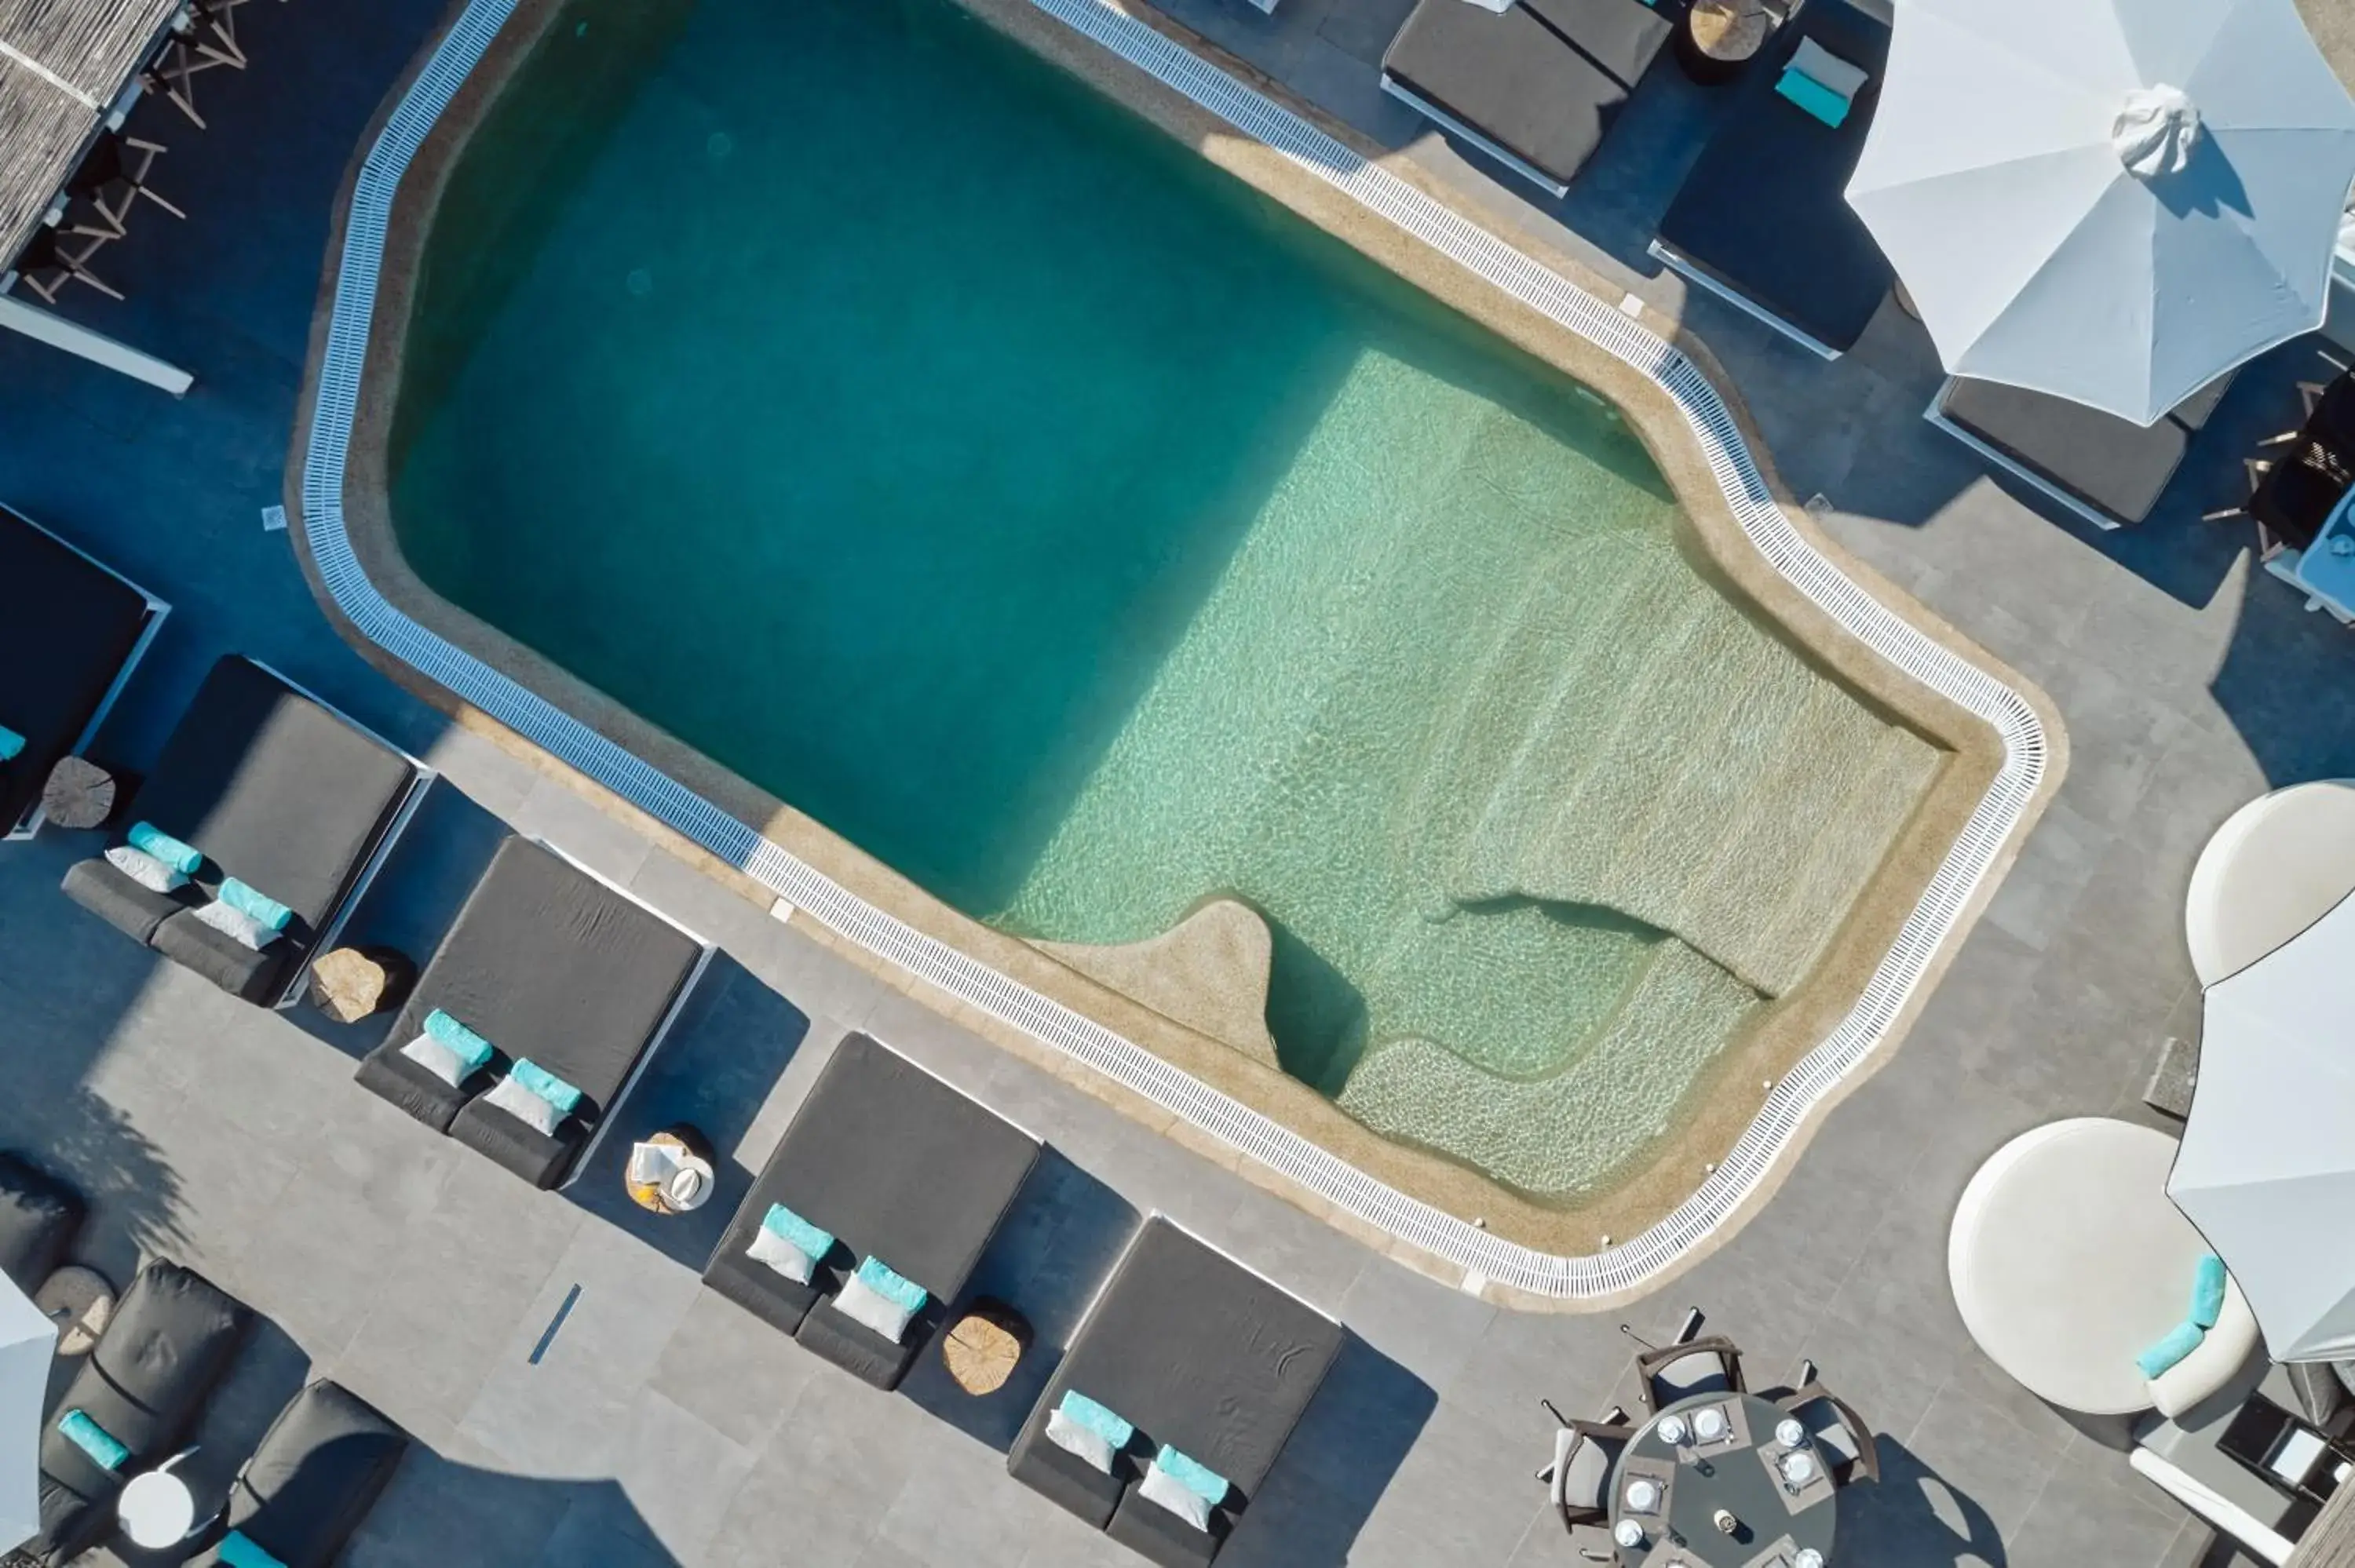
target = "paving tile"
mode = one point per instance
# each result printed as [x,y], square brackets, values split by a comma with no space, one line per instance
[2088,1511]
[679,1473]
[2063,853]
[1364,28]
[1454,1500]
[962,1507]
[731,1370]
[1989,1462]
[1423,1326]
[556,812]
[825,1481]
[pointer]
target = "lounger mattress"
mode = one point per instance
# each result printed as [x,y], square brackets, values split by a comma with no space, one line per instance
[2114,465]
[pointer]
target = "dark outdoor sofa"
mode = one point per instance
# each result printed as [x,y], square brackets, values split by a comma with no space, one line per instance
[898,1166]
[39,1217]
[313,1477]
[1199,1352]
[2106,470]
[552,965]
[1763,219]
[1537,85]
[71,631]
[277,790]
[171,1337]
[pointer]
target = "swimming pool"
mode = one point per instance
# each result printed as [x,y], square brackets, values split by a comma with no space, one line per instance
[1094,538]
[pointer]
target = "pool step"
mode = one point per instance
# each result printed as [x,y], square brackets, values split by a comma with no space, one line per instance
[1559,1134]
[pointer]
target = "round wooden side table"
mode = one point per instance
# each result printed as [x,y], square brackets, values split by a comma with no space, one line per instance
[982,1348]
[669,1173]
[79,794]
[1717,40]
[353,983]
[79,1301]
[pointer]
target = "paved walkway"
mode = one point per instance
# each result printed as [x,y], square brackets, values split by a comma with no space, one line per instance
[662,1427]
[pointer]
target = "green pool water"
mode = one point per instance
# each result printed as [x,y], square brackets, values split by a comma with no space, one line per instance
[917,433]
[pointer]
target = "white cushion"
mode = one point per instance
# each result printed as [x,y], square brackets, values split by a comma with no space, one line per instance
[781,1255]
[2224,1351]
[1086,1443]
[872,1308]
[437,1059]
[236,925]
[1160,1486]
[1812,60]
[529,1108]
[146,870]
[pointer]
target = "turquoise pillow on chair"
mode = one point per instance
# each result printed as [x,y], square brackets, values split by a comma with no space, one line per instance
[471,1049]
[1096,1418]
[1193,1475]
[2208,1292]
[11,744]
[265,910]
[1812,96]
[893,1286]
[546,1085]
[782,1223]
[182,858]
[2181,1341]
[238,1551]
[105,1450]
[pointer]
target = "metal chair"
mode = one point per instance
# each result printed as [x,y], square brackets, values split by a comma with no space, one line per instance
[213,32]
[50,261]
[110,181]
[1578,1479]
[174,70]
[1686,1366]
[1838,1432]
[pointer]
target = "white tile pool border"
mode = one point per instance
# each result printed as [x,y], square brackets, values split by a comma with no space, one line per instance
[1617,1269]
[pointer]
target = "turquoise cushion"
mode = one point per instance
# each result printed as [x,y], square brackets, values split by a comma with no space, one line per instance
[180,857]
[782,1221]
[2181,1343]
[546,1085]
[1096,1418]
[11,743]
[1812,96]
[105,1450]
[2208,1291]
[471,1050]
[266,910]
[1193,1475]
[896,1288]
[238,1551]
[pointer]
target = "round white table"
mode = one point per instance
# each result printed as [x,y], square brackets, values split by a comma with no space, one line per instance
[156,1509]
[2068,1261]
[2277,866]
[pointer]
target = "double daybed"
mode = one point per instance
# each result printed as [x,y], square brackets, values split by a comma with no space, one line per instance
[264,787]
[1535,86]
[2105,469]
[72,631]
[548,966]
[170,1339]
[1189,1350]
[889,1163]
[1762,220]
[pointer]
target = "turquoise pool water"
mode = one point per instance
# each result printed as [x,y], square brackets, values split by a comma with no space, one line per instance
[915,432]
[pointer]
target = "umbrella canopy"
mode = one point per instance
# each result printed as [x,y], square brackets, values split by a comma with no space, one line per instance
[2267,1167]
[28,1341]
[2114,201]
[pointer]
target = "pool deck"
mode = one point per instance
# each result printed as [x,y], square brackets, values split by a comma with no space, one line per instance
[662,1427]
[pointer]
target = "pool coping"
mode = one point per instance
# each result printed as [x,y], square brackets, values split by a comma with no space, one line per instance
[1479,1260]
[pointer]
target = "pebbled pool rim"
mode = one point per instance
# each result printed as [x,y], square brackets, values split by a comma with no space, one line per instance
[1617,1270]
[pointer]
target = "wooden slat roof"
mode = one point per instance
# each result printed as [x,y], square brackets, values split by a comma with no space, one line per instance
[62,64]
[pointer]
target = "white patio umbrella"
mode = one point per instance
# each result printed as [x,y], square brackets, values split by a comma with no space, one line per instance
[2267,1167]
[2114,201]
[28,1341]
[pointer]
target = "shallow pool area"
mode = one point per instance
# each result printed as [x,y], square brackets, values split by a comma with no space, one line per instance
[979,471]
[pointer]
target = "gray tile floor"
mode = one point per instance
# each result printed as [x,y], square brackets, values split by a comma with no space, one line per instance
[660,1426]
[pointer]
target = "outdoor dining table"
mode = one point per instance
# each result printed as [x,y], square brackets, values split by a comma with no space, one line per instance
[2326,568]
[1707,1484]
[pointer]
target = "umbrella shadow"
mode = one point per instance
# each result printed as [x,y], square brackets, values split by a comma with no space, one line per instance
[2206,186]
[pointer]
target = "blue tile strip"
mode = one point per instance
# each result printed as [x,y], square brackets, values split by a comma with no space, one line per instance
[1618,1269]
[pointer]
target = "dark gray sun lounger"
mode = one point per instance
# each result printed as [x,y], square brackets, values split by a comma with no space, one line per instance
[1535,86]
[552,964]
[2106,470]
[72,631]
[1763,220]
[313,1477]
[274,787]
[898,1166]
[171,1336]
[1196,1351]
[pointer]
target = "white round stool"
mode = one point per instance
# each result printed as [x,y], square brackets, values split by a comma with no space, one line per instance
[2277,866]
[156,1509]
